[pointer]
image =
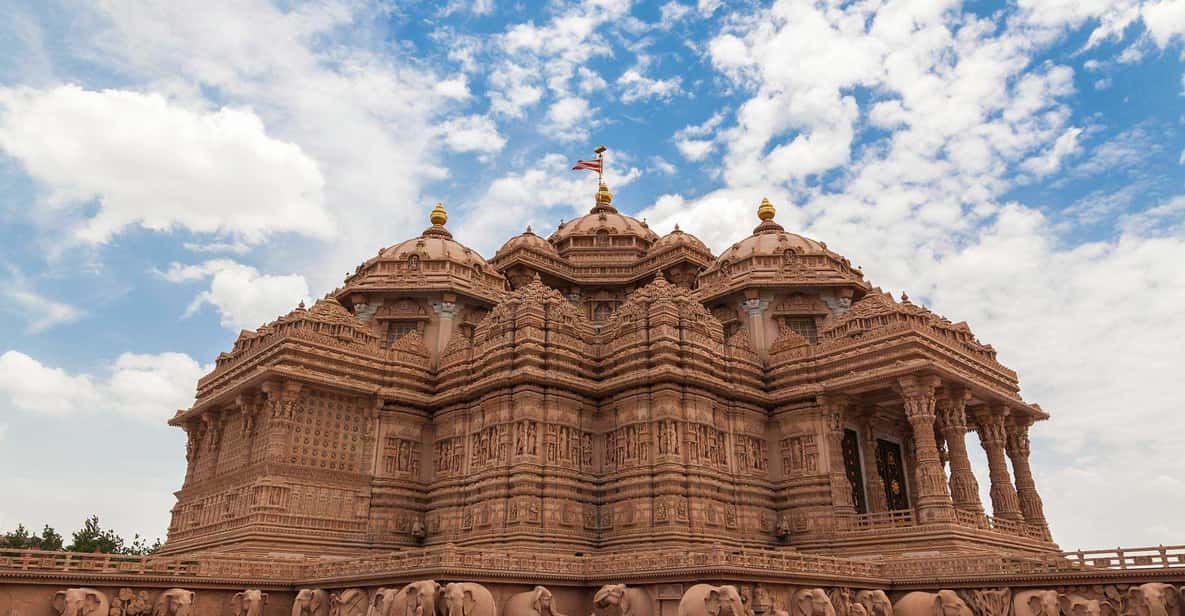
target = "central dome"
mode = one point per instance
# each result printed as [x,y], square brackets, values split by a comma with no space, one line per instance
[603,228]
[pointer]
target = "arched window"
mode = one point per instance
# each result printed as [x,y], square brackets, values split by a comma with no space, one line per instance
[602,238]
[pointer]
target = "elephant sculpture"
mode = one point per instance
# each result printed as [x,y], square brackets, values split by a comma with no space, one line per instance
[1153,599]
[1077,605]
[627,601]
[311,602]
[467,599]
[1035,603]
[349,602]
[708,600]
[250,602]
[422,598]
[941,603]
[81,602]
[875,602]
[814,602]
[174,602]
[535,602]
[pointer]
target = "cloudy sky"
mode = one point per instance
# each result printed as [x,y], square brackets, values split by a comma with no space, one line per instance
[172,172]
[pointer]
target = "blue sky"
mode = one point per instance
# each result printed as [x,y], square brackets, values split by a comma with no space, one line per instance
[173,172]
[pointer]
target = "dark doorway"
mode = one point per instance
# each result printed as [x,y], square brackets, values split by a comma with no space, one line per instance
[851,467]
[892,471]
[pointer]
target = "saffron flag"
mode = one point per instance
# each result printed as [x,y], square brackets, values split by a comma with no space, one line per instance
[588,165]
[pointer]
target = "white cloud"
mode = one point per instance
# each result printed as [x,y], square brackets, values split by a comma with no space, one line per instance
[590,81]
[151,163]
[1165,20]
[472,133]
[662,165]
[637,87]
[568,119]
[1050,160]
[244,298]
[696,141]
[40,312]
[456,88]
[673,12]
[146,387]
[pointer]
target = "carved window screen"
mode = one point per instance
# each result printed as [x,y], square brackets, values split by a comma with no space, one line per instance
[804,326]
[892,470]
[399,329]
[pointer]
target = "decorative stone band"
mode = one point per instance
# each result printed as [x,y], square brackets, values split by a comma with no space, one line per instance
[1079,567]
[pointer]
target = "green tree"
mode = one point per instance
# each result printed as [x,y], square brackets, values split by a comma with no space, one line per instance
[18,538]
[141,547]
[94,538]
[50,539]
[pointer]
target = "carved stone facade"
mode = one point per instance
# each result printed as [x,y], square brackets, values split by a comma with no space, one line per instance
[601,390]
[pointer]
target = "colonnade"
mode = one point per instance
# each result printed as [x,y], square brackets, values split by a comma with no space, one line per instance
[937,412]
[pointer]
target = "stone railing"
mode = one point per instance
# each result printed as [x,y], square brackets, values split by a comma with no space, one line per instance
[716,561]
[875,521]
[903,518]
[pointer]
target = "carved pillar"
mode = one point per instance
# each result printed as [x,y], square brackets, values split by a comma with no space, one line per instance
[952,422]
[755,308]
[281,403]
[835,409]
[872,476]
[446,311]
[992,436]
[933,502]
[1026,488]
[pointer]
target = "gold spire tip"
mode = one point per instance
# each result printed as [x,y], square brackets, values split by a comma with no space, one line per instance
[438,215]
[766,210]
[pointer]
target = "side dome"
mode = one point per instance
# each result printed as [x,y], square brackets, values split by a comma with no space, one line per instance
[679,239]
[768,239]
[527,240]
[603,229]
[432,261]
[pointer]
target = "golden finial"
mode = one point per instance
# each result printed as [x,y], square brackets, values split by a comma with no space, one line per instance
[438,215]
[604,197]
[766,210]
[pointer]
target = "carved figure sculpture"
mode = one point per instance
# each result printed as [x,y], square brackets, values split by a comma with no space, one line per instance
[536,602]
[311,602]
[812,602]
[1153,599]
[841,600]
[421,598]
[174,602]
[626,601]
[349,602]
[941,603]
[875,602]
[708,600]
[250,602]
[81,602]
[1035,603]
[989,602]
[468,599]
[1072,604]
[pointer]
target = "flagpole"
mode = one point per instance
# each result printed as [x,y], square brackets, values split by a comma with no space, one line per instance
[600,151]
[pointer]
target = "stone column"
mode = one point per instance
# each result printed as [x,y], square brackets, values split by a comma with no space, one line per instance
[952,422]
[446,312]
[992,436]
[1026,488]
[755,308]
[835,409]
[281,406]
[932,502]
[875,484]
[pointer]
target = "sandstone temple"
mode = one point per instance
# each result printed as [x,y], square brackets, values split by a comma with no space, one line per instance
[608,422]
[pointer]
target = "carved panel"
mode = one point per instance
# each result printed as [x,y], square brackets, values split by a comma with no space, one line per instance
[800,455]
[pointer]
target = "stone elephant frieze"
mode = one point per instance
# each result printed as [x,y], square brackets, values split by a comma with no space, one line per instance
[535,602]
[81,602]
[174,602]
[625,601]
[1073,604]
[1153,599]
[708,600]
[467,599]
[812,602]
[941,603]
[421,598]
[349,602]
[874,602]
[989,601]
[250,602]
[311,602]
[1035,602]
